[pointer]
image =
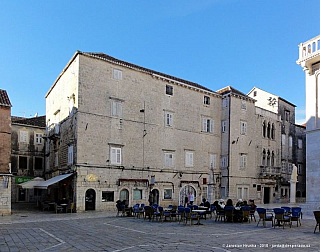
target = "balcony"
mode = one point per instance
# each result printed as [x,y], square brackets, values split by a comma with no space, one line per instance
[269,172]
[309,52]
[53,131]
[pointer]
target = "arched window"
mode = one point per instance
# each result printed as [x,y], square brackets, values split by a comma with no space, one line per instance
[268,158]
[268,130]
[264,157]
[273,131]
[273,161]
[264,129]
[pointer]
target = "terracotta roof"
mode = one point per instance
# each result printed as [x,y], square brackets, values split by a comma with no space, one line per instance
[143,69]
[4,98]
[39,121]
[230,89]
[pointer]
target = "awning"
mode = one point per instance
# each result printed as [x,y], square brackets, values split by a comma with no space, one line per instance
[56,179]
[31,183]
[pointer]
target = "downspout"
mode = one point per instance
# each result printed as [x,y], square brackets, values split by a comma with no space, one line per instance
[229,152]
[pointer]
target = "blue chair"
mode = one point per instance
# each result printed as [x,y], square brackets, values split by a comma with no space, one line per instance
[296,214]
[264,216]
[158,213]
[245,213]
[228,213]
[190,217]
[148,212]
[195,207]
[287,210]
[212,210]
[180,213]
[281,217]
[142,205]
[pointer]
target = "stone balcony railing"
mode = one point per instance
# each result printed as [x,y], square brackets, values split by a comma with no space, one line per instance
[53,131]
[267,171]
[309,50]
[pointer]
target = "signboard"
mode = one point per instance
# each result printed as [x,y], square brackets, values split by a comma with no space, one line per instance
[20,180]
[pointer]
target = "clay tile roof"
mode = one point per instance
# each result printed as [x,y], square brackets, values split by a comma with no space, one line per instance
[39,121]
[4,99]
[232,90]
[143,69]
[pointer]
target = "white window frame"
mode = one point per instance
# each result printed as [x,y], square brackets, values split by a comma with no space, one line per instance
[243,127]
[223,126]
[290,141]
[212,161]
[70,154]
[23,136]
[243,105]
[115,155]
[168,119]
[116,108]
[37,138]
[117,74]
[137,194]
[169,190]
[168,159]
[189,159]
[243,192]
[206,100]
[283,166]
[207,125]
[290,167]
[283,139]
[243,161]
[224,161]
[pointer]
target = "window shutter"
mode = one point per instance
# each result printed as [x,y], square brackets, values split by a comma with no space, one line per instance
[210,125]
[204,125]
[113,156]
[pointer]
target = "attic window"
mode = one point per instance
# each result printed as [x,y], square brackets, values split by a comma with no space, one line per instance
[169,90]
[254,93]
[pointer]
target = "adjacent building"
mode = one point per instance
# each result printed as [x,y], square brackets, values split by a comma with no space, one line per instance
[5,150]
[27,155]
[309,60]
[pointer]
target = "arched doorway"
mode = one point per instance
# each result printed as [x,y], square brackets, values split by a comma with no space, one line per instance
[155,193]
[90,200]
[124,195]
[184,194]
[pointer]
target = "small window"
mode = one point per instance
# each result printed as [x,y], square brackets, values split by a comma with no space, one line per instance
[224,162]
[117,74]
[243,161]
[207,125]
[137,194]
[225,103]
[243,105]
[283,167]
[168,159]
[115,155]
[37,138]
[169,90]
[290,141]
[213,161]
[189,159]
[223,126]
[38,163]
[299,168]
[23,163]
[23,136]
[70,154]
[168,119]
[167,193]
[116,108]
[254,93]
[283,142]
[107,196]
[290,168]
[300,143]
[259,188]
[287,115]
[206,100]
[243,127]
[56,159]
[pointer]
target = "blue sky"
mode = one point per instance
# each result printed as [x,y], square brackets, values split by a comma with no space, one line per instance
[242,43]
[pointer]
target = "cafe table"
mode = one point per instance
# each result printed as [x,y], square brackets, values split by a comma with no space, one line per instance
[199,211]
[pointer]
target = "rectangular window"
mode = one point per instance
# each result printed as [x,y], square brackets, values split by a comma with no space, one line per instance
[213,161]
[206,100]
[56,159]
[299,168]
[283,140]
[243,161]
[254,93]
[223,126]
[300,143]
[168,159]
[242,192]
[169,90]
[224,161]
[243,127]
[115,154]
[289,168]
[23,136]
[137,194]
[243,105]
[107,196]
[37,138]
[223,192]
[70,154]
[189,159]
[290,141]
[168,119]
[225,102]
[287,115]
[38,163]
[167,193]
[23,163]
[283,167]
[116,108]
[207,125]
[117,74]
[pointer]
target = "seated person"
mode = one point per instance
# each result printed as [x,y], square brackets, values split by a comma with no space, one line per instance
[221,204]
[229,202]
[239,204]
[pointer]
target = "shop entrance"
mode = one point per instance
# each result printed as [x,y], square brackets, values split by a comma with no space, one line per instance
[90,200]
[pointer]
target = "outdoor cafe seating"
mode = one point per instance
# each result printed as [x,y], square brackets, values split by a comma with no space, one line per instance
[264,217]
[281,217]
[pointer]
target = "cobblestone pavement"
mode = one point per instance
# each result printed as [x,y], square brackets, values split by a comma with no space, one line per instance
[99,231]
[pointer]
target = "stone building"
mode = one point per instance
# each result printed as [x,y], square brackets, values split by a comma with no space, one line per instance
[309,60]
[5,150]
[27,155]
[288,146]
[123,130]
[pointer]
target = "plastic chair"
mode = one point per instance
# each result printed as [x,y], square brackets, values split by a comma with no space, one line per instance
[228,213]
[296,214]
[245,213]
[148,212]
[264,216]
[191,217]
[317,217]
[180,213]
[158,214]
[281,217]
[287,210]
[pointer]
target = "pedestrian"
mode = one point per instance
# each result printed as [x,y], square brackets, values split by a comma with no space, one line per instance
[186,200]
[151,198]
[191,198]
